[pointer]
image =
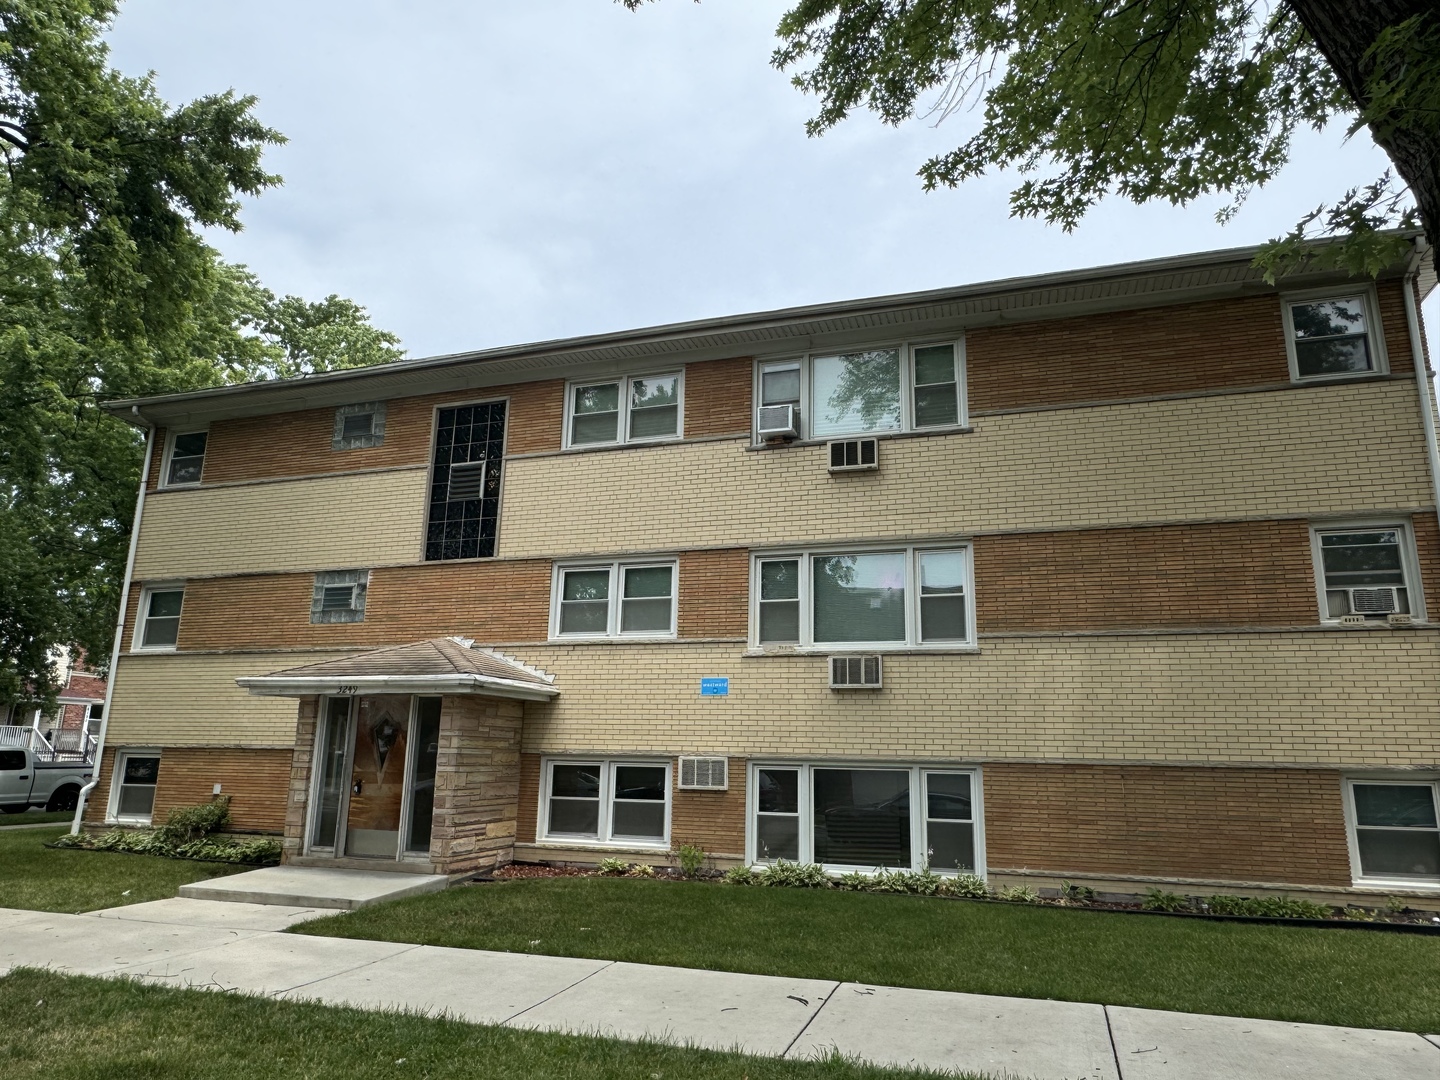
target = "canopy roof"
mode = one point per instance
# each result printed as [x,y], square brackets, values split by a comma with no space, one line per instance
[450,665]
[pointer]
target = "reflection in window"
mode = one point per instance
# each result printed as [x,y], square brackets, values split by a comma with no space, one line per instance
[855,392]
[608,801]
[779,600]
[861,817]
[777,821]
[162,618]
[860,597]
[625,410]
[1396,830]
[1331,337]
[187,458]
[138,777]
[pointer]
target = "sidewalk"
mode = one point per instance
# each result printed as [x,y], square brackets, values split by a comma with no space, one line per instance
[238,947]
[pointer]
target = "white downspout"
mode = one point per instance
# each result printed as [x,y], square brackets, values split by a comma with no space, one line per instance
[1422,382]
[119,627]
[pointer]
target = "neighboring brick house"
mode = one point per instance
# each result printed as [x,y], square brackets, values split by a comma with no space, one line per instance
[80,700]
[1144,556]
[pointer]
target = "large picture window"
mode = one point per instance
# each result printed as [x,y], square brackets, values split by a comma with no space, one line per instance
[1395,830]
[906,387]
[901,598]
[465,482]
[866,817]
[607,802]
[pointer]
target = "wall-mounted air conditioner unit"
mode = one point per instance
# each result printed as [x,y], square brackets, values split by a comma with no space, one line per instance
[853,455]
[777,422]
[704,774]
[1373,601]
[854,673]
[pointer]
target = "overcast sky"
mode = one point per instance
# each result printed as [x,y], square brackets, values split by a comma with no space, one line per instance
[483,174]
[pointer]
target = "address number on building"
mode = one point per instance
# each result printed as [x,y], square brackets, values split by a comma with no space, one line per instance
[347,691]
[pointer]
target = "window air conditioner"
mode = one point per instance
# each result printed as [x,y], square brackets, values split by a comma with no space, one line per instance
[1373,601]
[853,455]
[777,421]
[704,774]
[854,672]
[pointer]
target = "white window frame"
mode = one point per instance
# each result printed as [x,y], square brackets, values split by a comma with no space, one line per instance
[142,616]
[617,570]
[918,810]
[907,386]
[912,640]
[1409,561]
[622,423]
[170,437]
[1374,329]
[1357,875]
[605,822]
[117,771]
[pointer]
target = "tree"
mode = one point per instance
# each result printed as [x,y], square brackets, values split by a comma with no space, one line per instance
[107,289]
[1148,99]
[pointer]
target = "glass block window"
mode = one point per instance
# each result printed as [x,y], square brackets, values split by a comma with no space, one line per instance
[339,596]
[359,426]
[464,512]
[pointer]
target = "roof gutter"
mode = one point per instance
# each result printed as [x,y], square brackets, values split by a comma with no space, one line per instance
[1422,373]
[349,685]
[84,797]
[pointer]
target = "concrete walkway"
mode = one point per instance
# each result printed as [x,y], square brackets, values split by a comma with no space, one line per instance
[237,947]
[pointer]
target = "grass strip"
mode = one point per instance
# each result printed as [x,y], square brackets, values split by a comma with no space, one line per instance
[38,817]
[38,878]
[1318,976]
[69,1027]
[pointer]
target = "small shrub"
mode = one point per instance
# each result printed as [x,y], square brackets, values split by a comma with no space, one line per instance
[854,881]
[739,875]
[1018,894]
[922,882]
[966,885]
[788,875]
[256,850]
[1267,907]
[187,823]
[640,870]
[1359,914]
[1076,894]
[612,867]
[1159,900]
[1396,905]
[692,859]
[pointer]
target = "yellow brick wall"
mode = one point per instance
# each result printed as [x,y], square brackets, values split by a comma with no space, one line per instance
[178,700]
[1290,453]
[1339,699]
[364,519]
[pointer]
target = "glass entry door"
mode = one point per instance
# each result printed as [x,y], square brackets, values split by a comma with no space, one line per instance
[374,776]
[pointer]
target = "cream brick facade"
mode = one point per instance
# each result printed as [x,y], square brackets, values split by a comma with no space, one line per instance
[1290,453]
[326,523]
[1336,699]
[179,700]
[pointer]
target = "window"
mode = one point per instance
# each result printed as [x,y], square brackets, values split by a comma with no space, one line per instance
[339,596]
[1332,336]
[608,802]
[97,710]
[911,387]
[134,796]
[866,817]
[159,622]
[871,599]
[359,426]
[1366,570]
[187,459]
[614,600]
[465,482]
[641,408]
[1395,835]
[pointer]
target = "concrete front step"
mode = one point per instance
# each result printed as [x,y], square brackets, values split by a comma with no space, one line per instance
[306,886]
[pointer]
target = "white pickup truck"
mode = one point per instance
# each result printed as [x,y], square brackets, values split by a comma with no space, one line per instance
[27,780]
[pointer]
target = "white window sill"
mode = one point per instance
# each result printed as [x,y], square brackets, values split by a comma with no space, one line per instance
[1416,623]
[1339,376]
[601,845]
[1431,885]
[153,649]
[602,639]
[781,444]
[585,448]
[851,650]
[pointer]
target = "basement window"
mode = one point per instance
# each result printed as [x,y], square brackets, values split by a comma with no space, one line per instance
[607,802]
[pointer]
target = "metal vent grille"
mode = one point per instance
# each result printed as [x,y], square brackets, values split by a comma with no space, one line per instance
[1373,601]
[704,774]
[337,598]
[854,672]
[466,480]
[777,421]
[850,455]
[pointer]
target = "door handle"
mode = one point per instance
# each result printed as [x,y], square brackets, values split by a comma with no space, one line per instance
[25,777]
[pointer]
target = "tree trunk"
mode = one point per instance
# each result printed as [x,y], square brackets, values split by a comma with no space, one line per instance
[1344,30]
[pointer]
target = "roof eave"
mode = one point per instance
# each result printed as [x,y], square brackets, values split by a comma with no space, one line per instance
[350,685]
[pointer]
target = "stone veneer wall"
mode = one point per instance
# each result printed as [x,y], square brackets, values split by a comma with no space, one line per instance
[299,792]
[477,784]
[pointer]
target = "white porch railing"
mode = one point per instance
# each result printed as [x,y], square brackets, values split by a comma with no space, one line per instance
[67,745]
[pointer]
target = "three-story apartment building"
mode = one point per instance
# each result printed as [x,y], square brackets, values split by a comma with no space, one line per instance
[1121,576]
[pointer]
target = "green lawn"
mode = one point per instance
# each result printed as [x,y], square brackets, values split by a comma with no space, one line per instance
[74,1028]
[1344,976]
[45,879]
[37,817]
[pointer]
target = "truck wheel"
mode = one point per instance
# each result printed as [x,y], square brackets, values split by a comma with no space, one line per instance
[63,798]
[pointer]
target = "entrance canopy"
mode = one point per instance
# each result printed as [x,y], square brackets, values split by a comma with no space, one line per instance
[450,665]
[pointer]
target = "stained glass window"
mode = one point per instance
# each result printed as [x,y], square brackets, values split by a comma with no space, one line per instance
[464,516]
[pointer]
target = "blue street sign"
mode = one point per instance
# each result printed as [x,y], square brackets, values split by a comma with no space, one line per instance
[719,687]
